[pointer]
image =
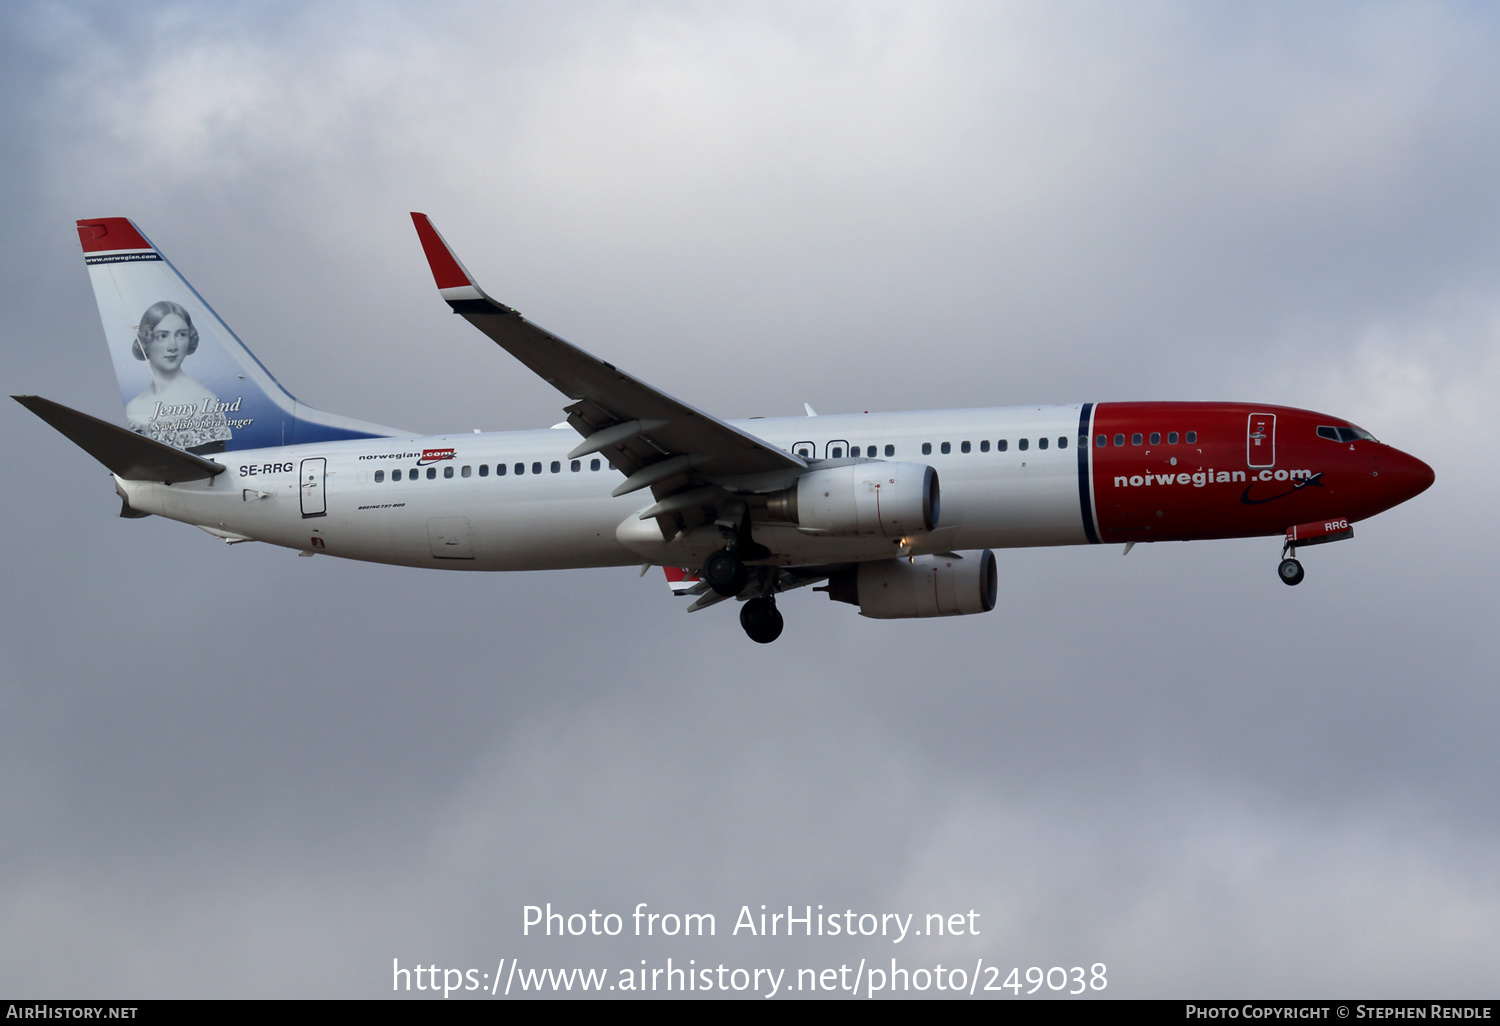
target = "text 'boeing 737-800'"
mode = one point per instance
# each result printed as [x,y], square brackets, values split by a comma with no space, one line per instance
[730,509]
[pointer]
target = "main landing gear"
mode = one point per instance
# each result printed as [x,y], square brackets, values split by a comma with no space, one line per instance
[726,573]
[761,620]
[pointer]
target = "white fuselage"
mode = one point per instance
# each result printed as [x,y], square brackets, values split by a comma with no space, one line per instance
[452,514]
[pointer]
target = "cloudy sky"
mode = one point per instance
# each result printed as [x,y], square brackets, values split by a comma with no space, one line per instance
[233,772]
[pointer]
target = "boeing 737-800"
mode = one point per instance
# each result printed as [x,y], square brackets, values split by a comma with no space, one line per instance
[730,509]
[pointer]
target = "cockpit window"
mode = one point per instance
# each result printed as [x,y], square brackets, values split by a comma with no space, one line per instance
[1344,434]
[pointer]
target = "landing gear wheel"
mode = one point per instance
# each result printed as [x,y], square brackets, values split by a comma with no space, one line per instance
[725,573]
[761,620]
[1291,571]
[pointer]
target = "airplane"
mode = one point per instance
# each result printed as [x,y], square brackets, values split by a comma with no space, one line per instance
[744,509]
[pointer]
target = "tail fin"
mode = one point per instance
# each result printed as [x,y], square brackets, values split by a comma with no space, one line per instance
[185,378]
[683,581]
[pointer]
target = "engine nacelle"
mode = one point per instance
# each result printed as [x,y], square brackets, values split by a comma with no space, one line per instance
[888,500]
[898,589]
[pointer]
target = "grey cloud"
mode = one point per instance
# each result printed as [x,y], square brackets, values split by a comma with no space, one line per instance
[231,771]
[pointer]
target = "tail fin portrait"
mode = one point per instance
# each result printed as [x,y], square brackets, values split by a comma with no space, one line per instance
[186,379]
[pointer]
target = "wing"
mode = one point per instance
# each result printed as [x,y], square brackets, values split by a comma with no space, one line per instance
[688,458]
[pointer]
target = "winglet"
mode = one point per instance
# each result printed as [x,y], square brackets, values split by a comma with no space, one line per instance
[453,279]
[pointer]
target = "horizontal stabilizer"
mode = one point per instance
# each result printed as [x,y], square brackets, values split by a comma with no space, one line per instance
[131,456]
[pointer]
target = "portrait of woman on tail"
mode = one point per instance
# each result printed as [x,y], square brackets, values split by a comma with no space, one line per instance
[175,408]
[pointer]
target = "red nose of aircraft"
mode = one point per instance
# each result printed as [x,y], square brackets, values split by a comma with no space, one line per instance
[1402,476]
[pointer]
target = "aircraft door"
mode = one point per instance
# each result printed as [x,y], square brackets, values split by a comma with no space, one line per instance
[1260,440]
[836,449]
[314,497]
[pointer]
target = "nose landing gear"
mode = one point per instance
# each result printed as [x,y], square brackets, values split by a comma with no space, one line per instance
[761,620]
[1290,571]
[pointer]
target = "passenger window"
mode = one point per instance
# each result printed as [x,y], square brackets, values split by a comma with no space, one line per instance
[576,466]
[432,473]
[1041,443]
[520,469]
[947,447]
[1156,438]
[536,468]
[484,469]
[890,450]
[803,449]
[1024,444]
[984,446]
[836,452]
[468,471]
[1002,445]
[500,469]
[1119,440]
[1171,437]
[1192,438]
[556,467]
[1062,441]
[1102,441]
[593,464]
[448,472]
[380,476]
[926,448]
[1135,439]
[413,474]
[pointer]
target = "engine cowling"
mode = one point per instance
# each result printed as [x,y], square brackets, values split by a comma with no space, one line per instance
[899,589]
[890,500]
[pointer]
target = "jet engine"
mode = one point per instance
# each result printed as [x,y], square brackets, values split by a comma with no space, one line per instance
[896,589]
[889,500]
